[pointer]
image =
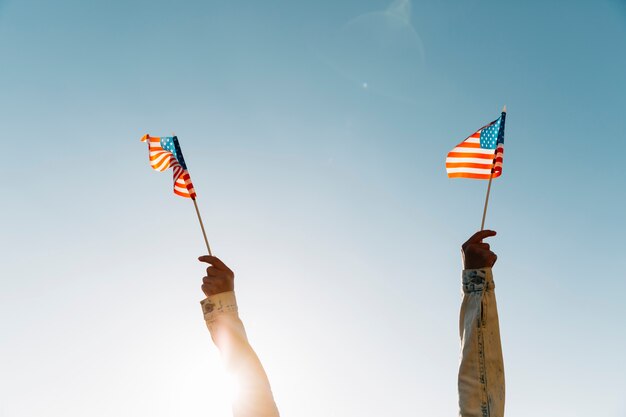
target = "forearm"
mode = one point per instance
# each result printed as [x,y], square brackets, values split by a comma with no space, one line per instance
[481,372]
[253,393]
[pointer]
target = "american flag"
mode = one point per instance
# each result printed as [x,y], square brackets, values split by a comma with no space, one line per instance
[165,153]
[480,154]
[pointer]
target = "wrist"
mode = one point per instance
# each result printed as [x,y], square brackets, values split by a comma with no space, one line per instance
[477,280]
[222,302]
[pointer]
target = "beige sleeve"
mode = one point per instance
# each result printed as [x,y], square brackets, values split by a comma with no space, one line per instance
[481,371]
[254,396]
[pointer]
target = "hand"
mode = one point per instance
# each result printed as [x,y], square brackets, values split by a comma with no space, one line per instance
[477,254]
[219,278]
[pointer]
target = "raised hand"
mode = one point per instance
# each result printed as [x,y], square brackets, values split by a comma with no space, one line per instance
[477,254]
[219,278]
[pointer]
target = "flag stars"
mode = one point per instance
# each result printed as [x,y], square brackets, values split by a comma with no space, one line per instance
[488,135]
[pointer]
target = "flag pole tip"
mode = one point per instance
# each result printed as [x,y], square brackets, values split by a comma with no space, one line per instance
[504,109]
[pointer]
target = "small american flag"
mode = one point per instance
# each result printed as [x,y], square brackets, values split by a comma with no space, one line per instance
[480,154]
[165,153]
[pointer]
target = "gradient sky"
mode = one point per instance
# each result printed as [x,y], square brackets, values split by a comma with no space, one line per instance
[315,134]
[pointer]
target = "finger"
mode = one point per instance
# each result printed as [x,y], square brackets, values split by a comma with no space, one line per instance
[206,258]
[479,236]
[215,261]
[206,290]
[212,271]
[209,283]
[482,246]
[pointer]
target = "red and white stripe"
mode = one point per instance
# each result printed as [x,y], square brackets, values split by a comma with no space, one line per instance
[160,160]
[469,160]
[182,182]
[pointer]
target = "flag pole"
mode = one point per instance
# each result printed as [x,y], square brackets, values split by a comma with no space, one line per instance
[493,166]
[202,227]
[206,241]
[482,224]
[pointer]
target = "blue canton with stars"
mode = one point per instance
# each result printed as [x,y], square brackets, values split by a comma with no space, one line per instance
[493,134]
[489,135]
[170,144]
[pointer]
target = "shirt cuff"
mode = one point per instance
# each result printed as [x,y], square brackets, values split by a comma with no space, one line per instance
[477,280]
[218,304]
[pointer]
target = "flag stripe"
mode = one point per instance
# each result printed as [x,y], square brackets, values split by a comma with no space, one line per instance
[483,161]
[470,170]
[463,149]
[468,175]
[475,145]
[474,176]
[467,164]
[470,155]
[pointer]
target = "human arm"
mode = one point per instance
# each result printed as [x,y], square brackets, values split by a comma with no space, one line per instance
[481,371]
[253,392]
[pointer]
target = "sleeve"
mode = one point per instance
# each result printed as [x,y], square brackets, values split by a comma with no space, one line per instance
[481,371]
[254,396]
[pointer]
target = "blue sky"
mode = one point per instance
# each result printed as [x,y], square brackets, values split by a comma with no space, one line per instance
[315,134]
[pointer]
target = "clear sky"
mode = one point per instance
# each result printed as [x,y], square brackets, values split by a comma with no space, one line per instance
[315,134]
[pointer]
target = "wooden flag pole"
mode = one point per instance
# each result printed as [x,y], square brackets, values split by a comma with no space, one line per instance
[482,225]
[202,226]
